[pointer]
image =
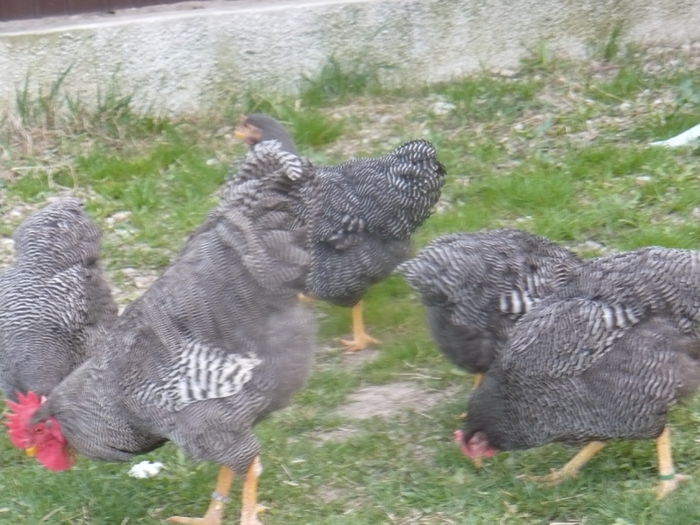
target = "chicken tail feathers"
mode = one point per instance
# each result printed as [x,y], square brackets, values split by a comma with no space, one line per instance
[416,151]
[264,214]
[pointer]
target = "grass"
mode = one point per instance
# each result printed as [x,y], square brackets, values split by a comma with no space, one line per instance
[487,98]
[337,82]
[555,147]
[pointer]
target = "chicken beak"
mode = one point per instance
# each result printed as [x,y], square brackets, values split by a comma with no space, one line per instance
[240,133]
[31,451]
[478,462]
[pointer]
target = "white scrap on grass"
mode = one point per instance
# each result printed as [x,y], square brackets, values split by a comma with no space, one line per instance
[145,469]
[683,139]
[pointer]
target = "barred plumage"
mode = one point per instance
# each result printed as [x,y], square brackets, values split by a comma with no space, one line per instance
[604,357]
[216,343]
[361,215]
[475,286]
[201,373]
[52,300]
[267,159]
[365,213]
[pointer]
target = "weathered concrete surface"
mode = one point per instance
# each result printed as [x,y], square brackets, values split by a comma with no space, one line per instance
[179,59]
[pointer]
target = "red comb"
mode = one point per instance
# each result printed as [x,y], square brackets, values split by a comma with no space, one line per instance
[19,416]
[459,439]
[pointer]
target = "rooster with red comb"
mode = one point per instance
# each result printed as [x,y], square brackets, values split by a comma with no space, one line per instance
[216,344]
[47,441]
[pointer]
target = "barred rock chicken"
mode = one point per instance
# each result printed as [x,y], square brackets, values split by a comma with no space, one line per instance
[217,343]
[364,213]
[475,286]
[52,300]
[603,358]
[258,127]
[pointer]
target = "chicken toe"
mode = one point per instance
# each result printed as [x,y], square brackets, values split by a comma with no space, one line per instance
[360,338]
[215,512]
[572,468]
[305,299]
[210,518]
[666,486]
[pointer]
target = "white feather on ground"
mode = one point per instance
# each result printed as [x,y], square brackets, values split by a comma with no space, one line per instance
[682,139]
[145,469]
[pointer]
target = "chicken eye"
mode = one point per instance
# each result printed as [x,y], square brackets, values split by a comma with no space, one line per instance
[38,430]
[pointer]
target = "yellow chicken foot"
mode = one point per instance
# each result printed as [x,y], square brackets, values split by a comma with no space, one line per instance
[249,508]
[215,512]
[305,299]
[360,338]
[572,468]
[478,379]
[669,480]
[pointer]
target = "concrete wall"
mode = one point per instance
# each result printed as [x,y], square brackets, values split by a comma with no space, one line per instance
[177,59]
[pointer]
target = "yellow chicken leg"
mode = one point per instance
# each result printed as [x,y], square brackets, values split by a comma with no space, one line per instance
[669,480]
[572,468]
[478,379]
[360,338]
[249,508]
[305,299]
[215,512]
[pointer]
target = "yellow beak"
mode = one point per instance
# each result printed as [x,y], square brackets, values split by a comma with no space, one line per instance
[240,133]
[30,452]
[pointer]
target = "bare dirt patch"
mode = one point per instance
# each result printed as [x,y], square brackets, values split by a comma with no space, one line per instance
[347,359]
[390,399]
[386,401]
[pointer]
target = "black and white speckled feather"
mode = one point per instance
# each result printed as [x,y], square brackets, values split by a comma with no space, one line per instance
[604,357]
[644,281]
[363,213]
[267,159]
[214,345]
[200,373]
[475,286]
[52,300]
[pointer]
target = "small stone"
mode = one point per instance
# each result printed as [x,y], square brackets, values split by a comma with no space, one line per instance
[642,180]
[442,108]
[144,281]
[7,244]
[120,216]
[504,72]
[124,233]
[591,246]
